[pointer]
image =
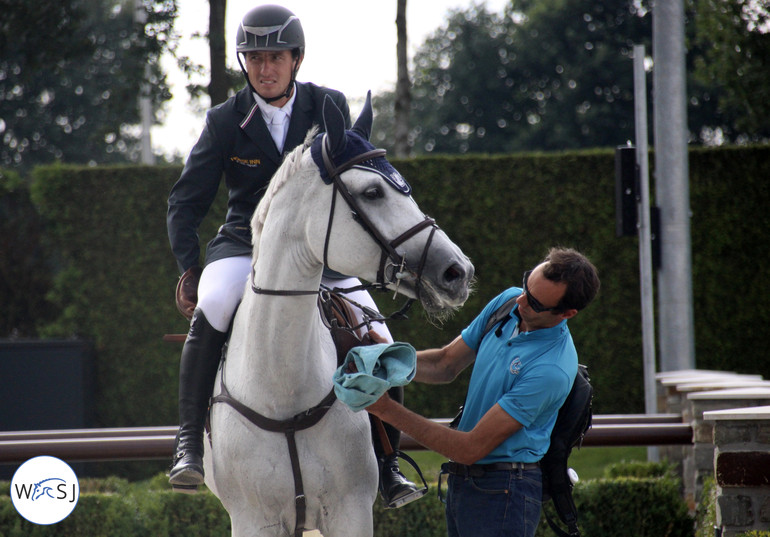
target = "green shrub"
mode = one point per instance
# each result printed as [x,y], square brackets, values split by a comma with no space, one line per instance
[95,514]
[424,518]
[648,506]
[639,469]
[150,509]
[642,507]
[706,511]
[170,513]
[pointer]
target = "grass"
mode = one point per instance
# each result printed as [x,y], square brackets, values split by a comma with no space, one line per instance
[588,462]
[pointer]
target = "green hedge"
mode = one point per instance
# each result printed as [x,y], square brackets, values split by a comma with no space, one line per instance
[643,507]
[152,514]
[25,268]
[119,509]
[638,485]
[608,507]
[102,236]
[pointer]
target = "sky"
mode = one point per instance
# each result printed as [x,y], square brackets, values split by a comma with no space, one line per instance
[350,45]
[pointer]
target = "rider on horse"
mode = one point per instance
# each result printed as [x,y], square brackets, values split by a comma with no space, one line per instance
[244,140]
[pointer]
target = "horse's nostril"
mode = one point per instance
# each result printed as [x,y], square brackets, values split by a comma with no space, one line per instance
[453,273]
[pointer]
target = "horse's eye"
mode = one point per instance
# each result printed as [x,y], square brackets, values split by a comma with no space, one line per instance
[373,193]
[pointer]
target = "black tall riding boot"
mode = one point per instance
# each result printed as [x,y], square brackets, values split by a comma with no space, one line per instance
[396,490]
[197,369]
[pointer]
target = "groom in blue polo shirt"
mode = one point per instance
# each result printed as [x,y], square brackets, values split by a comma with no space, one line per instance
[522,373]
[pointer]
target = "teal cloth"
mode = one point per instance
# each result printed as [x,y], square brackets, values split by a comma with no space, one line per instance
[377,369]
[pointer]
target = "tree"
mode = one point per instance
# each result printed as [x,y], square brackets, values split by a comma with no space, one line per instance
[223,81]
[69,72]
[457,93]
[558,74]
[547,75]
[730,46]
[219,85]
[403,94]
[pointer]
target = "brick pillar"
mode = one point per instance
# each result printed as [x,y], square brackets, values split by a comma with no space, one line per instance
[741,468]
[672,390]
[671,401]
[699,462]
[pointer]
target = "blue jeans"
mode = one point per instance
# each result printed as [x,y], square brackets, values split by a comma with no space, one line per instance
[500,503]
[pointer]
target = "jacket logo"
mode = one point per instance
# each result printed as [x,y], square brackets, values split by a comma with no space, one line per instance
[251,163]
[515,366]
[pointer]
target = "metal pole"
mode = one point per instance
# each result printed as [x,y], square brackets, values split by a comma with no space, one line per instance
[675,309]
[645,247]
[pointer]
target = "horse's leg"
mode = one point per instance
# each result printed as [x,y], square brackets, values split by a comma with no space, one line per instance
[246,526]
[350,518]
[350,473]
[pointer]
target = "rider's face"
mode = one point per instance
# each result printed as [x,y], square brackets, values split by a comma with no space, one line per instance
[270,72]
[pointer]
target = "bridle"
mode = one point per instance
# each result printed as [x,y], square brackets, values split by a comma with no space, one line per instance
[390,258]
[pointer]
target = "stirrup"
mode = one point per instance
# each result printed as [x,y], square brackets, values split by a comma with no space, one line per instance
[417,493]
[407,498]
[185,489]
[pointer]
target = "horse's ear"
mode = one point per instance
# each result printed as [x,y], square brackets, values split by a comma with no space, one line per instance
[334,124]
[363,125]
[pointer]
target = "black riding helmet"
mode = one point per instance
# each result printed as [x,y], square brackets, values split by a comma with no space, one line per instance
[268,28]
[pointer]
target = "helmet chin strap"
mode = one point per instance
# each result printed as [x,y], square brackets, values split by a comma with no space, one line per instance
[285,95]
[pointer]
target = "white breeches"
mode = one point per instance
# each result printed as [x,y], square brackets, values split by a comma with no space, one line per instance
[223,281]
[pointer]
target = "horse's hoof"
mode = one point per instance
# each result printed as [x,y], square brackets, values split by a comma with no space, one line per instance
[185,489]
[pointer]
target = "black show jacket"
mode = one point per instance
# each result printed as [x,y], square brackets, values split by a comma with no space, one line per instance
[236,144]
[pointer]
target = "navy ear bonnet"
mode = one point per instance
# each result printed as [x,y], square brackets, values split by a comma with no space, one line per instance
[355,145]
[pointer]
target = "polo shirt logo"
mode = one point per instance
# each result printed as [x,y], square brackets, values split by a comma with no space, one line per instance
[515,365]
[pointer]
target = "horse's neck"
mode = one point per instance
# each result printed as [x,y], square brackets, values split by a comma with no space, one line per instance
[281,358]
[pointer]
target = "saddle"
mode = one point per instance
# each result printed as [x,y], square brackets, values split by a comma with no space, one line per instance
[339,318]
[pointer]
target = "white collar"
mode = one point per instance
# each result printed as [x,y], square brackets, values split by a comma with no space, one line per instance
[268,110]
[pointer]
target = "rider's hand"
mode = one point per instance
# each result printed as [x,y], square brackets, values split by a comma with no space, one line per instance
[187,291]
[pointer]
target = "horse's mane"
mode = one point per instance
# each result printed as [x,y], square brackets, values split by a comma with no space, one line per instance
[290,166]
